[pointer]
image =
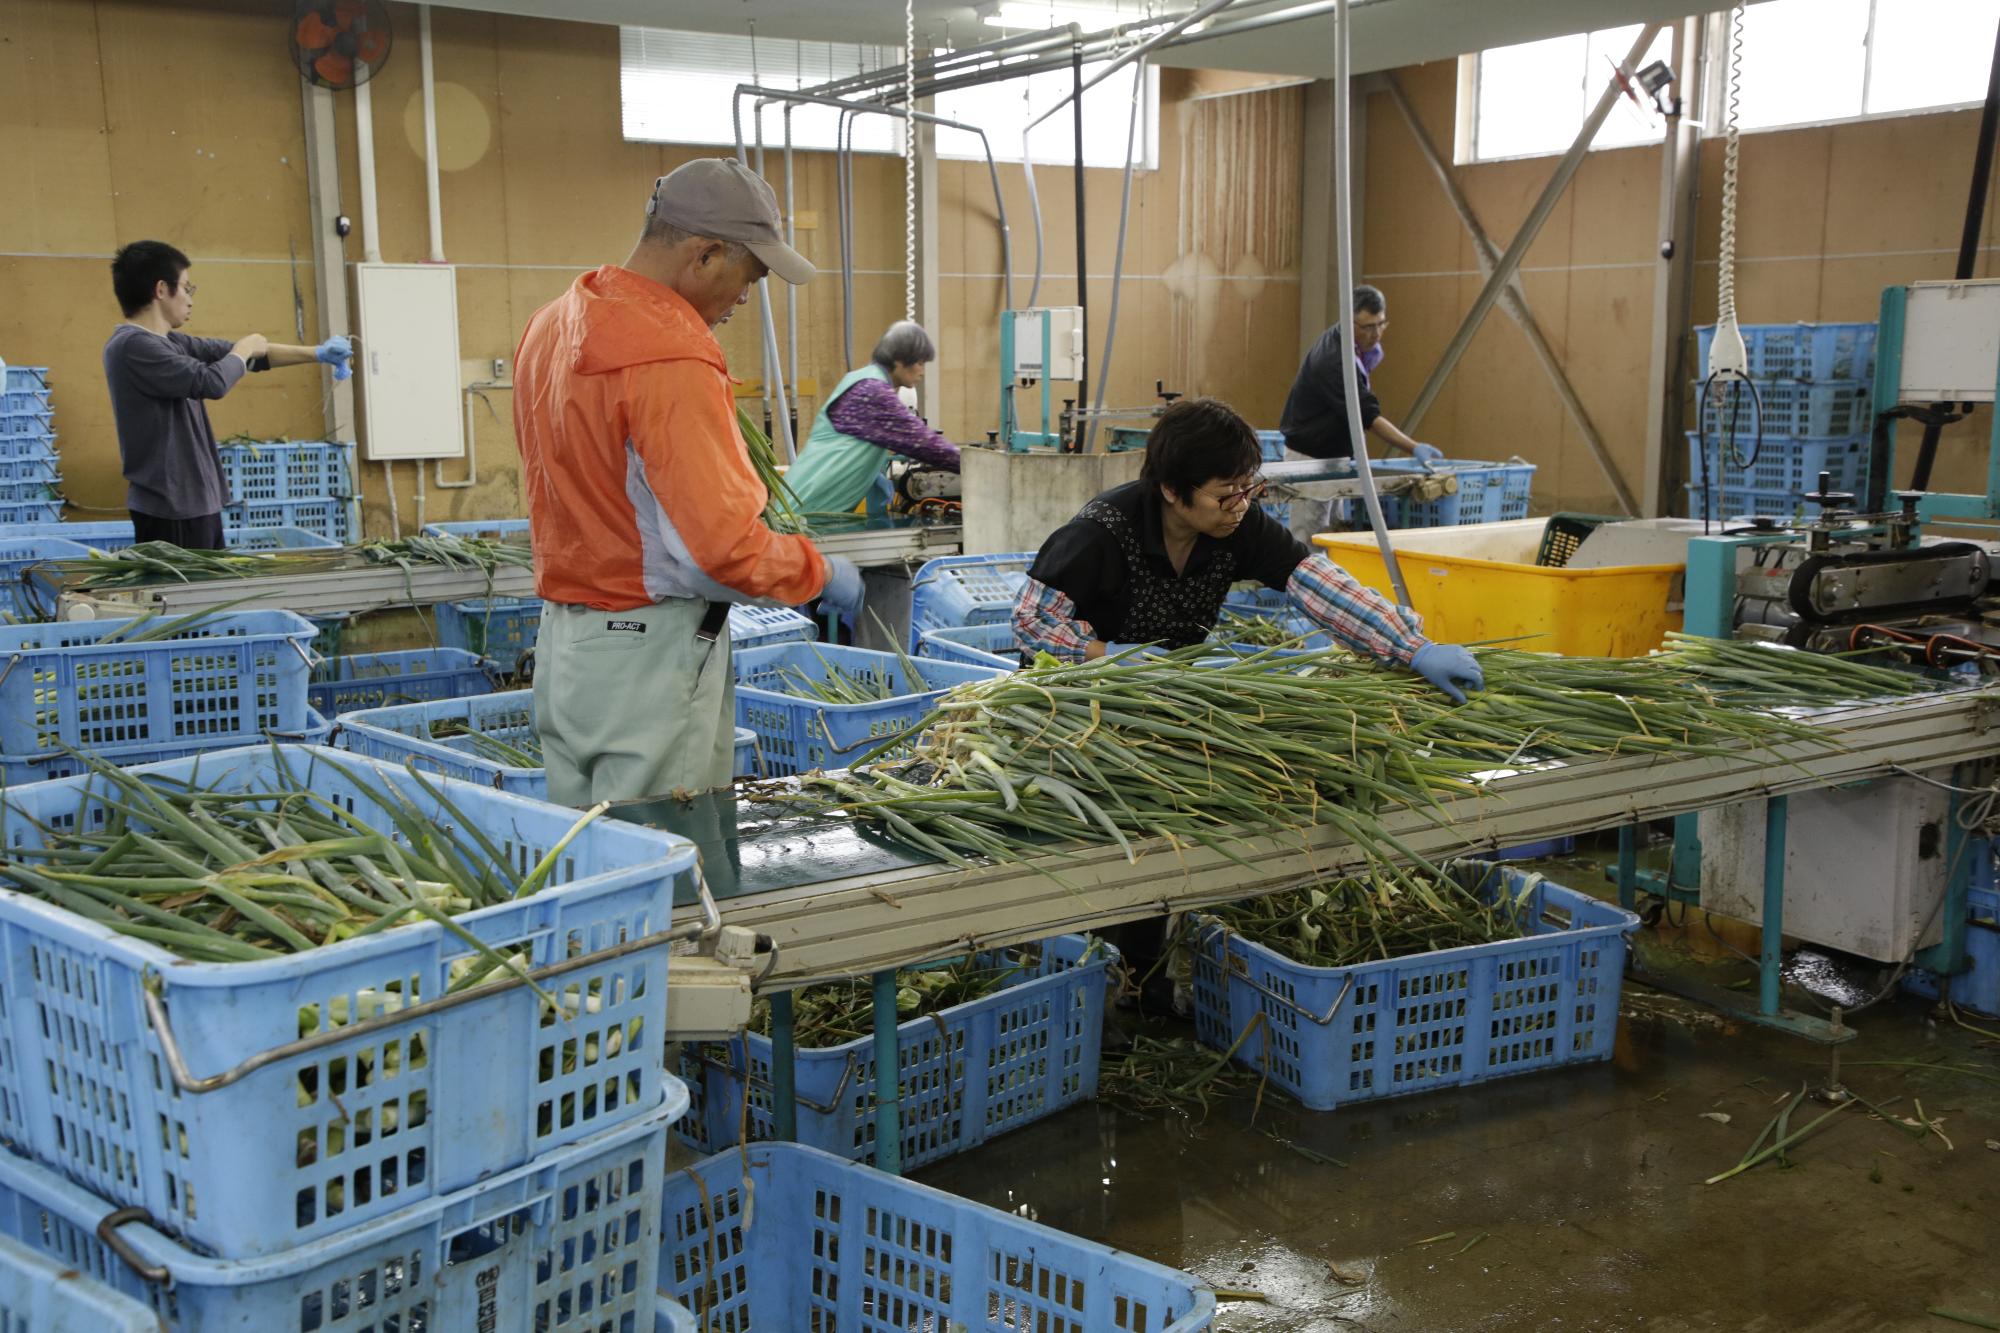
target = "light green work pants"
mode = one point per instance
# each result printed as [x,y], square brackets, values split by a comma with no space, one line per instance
[631,703]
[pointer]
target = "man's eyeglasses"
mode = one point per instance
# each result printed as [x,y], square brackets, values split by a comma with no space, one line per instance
[187,287]
[1241,496]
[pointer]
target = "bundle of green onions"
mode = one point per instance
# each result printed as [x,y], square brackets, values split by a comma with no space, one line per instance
[239,876]
[844,1011]
[155,562]
[838,685]
[524,751]
[1257,631]
[1126,748]
[1392,914]
[781,509]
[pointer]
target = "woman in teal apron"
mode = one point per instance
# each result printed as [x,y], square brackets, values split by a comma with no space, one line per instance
[863,424]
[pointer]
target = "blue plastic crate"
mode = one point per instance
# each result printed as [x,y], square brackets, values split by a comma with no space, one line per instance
[1724,504]
[1800,351]
[20,770]
[329,516]
[273,470]
[25,400]
[1791,408]
[30,491]
[40,465]
[28,585]
[1271,443]
[377,680]
[569,1241]
[1537,851]
[973,645]
[38,426]
[319,1144]
[1978,988]
[235,674]
[1791,465]
[41,1294]
[499,628]
[277,539]
[16,512]
[402,734]
[1333,1036]
[24,379]
[797,735]
[108,535]
[27,446]
[956,590]
[754,626]
[970,1072]
[839,1246]
[487,529]
[673,1317]
[1487,493]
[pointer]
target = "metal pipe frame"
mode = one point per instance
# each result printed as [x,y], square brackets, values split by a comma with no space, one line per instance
[844,927]
[1503,272]
[1512,298]
[1138,52]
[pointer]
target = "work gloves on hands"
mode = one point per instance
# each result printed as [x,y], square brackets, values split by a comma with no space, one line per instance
[1427,453]
[336,351]
[842,593]
[1449,667]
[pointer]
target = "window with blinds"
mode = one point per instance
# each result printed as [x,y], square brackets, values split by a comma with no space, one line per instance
[678,87]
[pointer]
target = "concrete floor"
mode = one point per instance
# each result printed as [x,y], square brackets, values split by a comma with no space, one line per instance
[1572,1199]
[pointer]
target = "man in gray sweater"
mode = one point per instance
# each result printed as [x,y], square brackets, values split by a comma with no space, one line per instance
[158,378]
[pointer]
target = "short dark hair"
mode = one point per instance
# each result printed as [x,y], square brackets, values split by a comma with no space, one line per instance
[1370,300]
[139,266]
[1196,441]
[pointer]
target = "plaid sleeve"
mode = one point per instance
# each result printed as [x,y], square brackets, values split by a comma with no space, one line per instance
[1045,622]
[1355,615]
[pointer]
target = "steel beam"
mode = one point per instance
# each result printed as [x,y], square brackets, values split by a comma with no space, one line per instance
[1531,228]
[1673,280]
[1513,299]
[841,928]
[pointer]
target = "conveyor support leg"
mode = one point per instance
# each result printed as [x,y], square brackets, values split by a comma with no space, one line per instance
[1770,961]
[784,1083]
[888,1077]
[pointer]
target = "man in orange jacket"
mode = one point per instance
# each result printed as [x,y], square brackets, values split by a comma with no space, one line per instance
[646,514]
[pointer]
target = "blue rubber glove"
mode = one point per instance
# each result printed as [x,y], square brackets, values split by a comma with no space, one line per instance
[1139,651]
[842,593]
[337,352]
[1449,667]
[1427,453]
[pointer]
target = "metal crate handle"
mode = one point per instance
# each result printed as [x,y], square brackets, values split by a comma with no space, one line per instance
[1233,964]
[186,1081]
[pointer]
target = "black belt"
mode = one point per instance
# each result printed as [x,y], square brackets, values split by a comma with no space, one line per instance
[713,621]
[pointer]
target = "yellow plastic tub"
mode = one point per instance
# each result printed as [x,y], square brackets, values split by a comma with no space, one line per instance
[1481,582]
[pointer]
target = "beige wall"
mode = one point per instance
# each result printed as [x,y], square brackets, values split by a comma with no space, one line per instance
[1827,217]
[124,119]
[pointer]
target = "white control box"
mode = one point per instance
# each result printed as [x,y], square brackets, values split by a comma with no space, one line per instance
[407,364]
[1864,865]
[1048,343]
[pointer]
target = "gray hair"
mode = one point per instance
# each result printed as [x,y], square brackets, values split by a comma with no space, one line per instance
[1369,300]
[905,344]
[666,235]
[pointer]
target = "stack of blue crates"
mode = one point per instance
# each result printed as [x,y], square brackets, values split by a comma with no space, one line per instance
[1812,414]
[30,472]
[307,484]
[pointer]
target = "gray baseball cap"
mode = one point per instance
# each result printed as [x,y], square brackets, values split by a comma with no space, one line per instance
[721,198]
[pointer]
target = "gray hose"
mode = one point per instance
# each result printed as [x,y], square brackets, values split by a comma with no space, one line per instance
[1118,264]
[1343,226]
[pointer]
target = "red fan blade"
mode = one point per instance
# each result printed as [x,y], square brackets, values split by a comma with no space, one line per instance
[334,68]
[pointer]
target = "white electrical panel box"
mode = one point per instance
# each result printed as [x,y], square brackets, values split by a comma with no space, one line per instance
[1864,865]
[1048,343]
[407,361]
[1951,342]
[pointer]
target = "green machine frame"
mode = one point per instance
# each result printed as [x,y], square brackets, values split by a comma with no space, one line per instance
[1711,601]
